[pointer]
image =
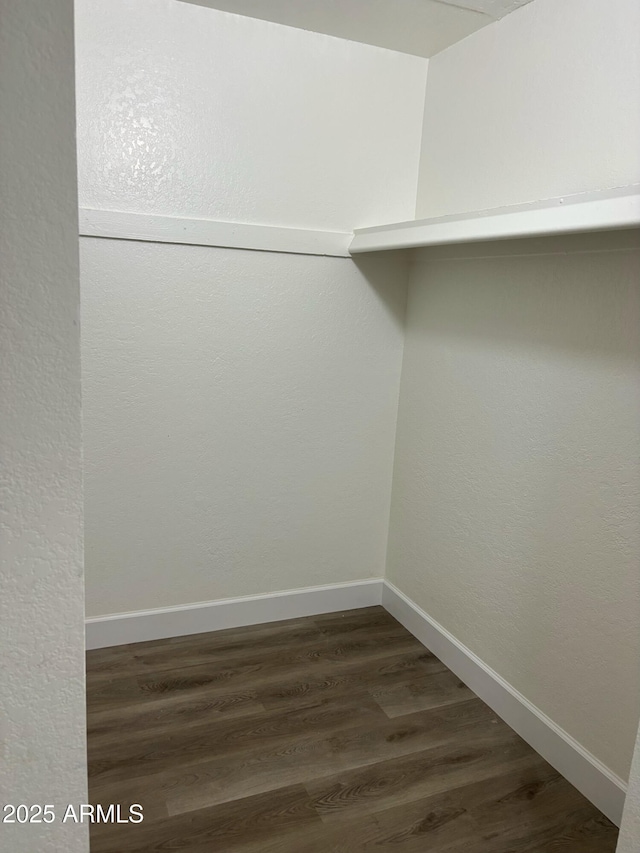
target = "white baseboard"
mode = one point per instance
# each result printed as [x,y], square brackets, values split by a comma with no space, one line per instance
[121,225]
[598,784]
[137,627]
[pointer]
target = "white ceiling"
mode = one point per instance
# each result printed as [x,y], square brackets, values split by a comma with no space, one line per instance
[420,27]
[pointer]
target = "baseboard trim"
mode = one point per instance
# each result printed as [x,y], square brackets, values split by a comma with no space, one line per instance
[149,228]
[598,784]
[137,627]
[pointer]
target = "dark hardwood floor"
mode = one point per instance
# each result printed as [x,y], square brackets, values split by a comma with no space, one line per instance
[331,734]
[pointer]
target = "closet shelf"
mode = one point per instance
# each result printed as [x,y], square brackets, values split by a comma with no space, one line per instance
[593,211]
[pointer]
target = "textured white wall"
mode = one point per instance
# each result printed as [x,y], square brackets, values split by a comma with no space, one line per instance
[541,104]
[42,740]
[188,111]
[629,841]
[239,406]
[239,420]
[516,508]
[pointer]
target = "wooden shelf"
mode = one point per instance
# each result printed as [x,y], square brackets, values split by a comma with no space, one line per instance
[596,211]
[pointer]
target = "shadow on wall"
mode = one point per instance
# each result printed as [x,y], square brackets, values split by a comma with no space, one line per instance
[387,273]
[580,292]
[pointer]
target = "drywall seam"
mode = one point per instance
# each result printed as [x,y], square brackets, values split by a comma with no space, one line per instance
[592,778]
[137,627]
[208,232]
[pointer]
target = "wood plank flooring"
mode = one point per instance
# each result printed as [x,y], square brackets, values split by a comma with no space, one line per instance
[331,734]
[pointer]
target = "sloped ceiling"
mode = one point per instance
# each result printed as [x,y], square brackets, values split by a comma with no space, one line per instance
[420,27]
[494,8]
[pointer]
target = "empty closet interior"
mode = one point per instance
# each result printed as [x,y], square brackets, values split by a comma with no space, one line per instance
[360,356]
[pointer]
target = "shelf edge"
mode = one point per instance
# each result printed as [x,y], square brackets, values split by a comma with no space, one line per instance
[585,213]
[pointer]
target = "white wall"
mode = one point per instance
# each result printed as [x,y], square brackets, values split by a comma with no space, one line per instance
[42,740]
[239,407]
[188,111]
[239,420]
[542,104]
[516,508]
[629,840]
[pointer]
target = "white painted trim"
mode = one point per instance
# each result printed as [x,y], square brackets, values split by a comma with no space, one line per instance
[584,212]
[136,627]
[598,784]
[119,225]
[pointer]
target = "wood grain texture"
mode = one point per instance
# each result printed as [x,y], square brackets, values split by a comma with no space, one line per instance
[330,734]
